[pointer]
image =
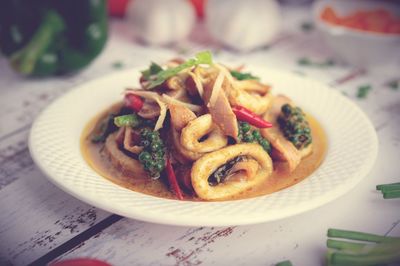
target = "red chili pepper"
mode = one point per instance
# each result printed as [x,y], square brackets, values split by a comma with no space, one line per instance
[133,102]
[172,180]
[80,262]
[187,182]
[199,7]
[117,7]
[244,114]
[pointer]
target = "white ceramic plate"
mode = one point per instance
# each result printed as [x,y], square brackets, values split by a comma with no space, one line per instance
[352,149]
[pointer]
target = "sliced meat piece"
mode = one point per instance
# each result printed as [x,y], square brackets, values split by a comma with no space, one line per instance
[131,139]
[150,110]
[125,164]
[219,107]
[282,149]
[194,86]
[180,116]
[120,136]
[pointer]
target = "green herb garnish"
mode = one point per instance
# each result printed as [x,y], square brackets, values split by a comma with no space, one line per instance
[118,65]
[363,91]
[243,75]
[389,191]
[394,84]
[362,249]
[307,26]
[131,120]
[158,78]
[284,263]
[304,61]
[152,70]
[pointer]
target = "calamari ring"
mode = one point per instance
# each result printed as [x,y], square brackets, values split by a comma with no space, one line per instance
[251,85]
[125,164]
[183,155]
[207,164]
[255,102]
[198,128]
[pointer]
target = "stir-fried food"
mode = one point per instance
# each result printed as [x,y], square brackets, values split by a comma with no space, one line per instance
[200,130]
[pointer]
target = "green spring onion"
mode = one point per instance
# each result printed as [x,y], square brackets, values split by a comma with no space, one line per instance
[389,191]
[362,249]
[131,120]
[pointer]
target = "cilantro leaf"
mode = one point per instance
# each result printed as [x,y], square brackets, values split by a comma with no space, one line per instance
[362,91]
[304,61]
[162,75]
[152,70]
[242,75]
[394,84]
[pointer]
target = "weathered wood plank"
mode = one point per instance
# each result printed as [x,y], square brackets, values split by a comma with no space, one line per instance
[37,217]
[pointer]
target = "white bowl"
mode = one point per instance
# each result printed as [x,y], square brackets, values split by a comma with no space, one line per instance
[357,47]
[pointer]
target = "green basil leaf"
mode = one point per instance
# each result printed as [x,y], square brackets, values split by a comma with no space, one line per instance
[242,75]
[161,76]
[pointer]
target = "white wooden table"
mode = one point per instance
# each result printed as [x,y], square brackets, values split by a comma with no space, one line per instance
[40,223]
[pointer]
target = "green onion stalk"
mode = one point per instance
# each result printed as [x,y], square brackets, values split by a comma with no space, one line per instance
[389,191]
[362,249]
[284,263]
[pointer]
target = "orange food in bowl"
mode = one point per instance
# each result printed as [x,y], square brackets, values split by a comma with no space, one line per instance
[376,20]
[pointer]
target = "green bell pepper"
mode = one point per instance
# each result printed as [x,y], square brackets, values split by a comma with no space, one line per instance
[47,37]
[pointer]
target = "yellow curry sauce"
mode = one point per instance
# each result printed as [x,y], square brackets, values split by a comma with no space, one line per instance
[280,178]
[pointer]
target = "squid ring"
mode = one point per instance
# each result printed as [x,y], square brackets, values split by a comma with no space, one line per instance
[127,165]
[183,155]
[197,129]
[204,167]
[255,102]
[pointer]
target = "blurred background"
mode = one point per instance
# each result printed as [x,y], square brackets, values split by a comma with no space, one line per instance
[45,38]
[50,46]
